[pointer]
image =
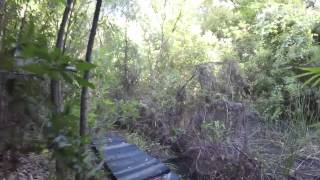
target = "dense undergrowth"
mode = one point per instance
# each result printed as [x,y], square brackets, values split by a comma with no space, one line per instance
[212,88]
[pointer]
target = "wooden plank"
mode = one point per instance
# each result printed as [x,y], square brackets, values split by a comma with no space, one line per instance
[128,162]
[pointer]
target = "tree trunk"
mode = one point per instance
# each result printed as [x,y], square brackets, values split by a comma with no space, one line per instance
[71,17]
[2,24]
[84,92]
[23,23]
[160,58]
[125,78]
[56,88]
[56,91]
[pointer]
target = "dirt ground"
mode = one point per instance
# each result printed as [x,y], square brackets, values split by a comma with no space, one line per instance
[31,166]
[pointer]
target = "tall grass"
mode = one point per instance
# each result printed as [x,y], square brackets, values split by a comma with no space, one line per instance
[291,147]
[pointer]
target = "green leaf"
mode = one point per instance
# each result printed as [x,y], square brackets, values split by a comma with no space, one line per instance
[314,73]
[42,54]
[66,59]
[304,74]
[311,69]
[28,51]
[37,68]
[84,83]
[56,55]
[311,79]
[33,51]
[67,77]
[84,66]
[7,64]
[71,118]
[63,2]
[56,75]
[316,83]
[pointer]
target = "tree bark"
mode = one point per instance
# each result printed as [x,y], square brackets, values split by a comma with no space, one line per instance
[162,41]
[56,88]
[71,17]
[126,49]
[23,23]
[2,24]
[86,76]
[84,92]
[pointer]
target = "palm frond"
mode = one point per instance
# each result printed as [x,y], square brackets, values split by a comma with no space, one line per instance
[313,75]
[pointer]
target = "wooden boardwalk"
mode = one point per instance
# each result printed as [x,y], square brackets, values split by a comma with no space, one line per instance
[127,162]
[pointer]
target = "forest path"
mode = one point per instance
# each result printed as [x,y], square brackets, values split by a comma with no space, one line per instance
[127,162]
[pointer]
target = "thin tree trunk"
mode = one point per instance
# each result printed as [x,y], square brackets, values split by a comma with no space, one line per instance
[68,27]
[2,24]
[162,41]
[56,88]
[23,23]
[84,92]
[126,49]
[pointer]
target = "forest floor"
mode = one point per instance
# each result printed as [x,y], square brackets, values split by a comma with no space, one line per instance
[272,146]
[38,166]
[30,166]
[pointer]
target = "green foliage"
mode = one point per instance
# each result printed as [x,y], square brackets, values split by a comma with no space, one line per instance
[120,112]
[272,108]
[140,141]
[148,51]
[28,34]
[127,113]
[314,75]
[54,65]
[70,151]
[62,133]
[214,129]
[84,66]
